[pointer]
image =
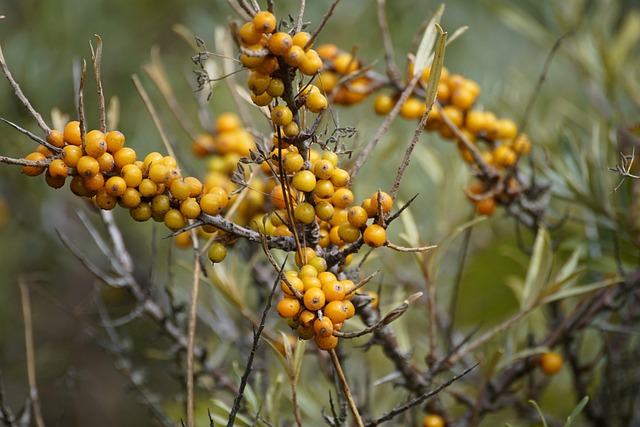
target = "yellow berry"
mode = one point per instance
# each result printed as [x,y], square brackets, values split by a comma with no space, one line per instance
[217,252]
[34,170]
[551,362]
[374,235]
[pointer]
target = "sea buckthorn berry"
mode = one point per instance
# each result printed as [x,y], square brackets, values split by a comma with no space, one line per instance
[374,235]
[169,161]
[288,307]
[95,144]
[282,230]
[224,196]
[115,186]
[295,56]
[301,39]
[77,187]
[307,255]
[521,144]
[258,83]
[160,204]
[115,141]
[195,186]
[87,166]
[295,282]
[334,291]
[314,299]
[264,22]
[56,138]
[106,162]
[334,236]
[413,109]
[281,115]
[174,220]
[70,155]
[323,239]
[433,420]
[486,206]
[307,270]
[357,216]
[323,327]
[348,232]
[253,56]
[261,100]
[306,332]
[57,169]
[217,252]
[180,189]
[141,213]
[54,182]
[327,81]
[311,282]
[248,34]
[306,318]
[342,198]
[503,155]
[349,308]
[327,277]
[323,169]
[462,98]
[278,197]
[332,157]
[383,104]
[325,210]
[374,298]
[159,173]
[280,43]
[304,181]
[105,201]
[323,189]
[305,213]
[310,64]
[335,310]
[124,156]
[339,217]
[454,114]
[349,288]
[316,103]
[326,343]
[151,159]
[211,204]
[275,88]
[291,130]
[475,121]
[34,170]
[506,129]
[93,183]
[367,206]
[130,198]
[190,208]
[44,150]
[227,122]
[551,362]
[148,188]
[319,263]
[71,133]
[345,63]
[385,201]
[327,51]
[292,162]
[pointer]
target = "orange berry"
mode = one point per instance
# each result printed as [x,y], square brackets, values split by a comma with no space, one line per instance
[190,208]
[433,420]
[211,204]
[56,138]
[248,34]
[348,233]
[141,213]
[281,115]
[93,183]
[374,235]
[295,56]
[174,220]
[413,109]
[114,140]
[301,39]
[310,64]
[95,144]
[280,43]
[334,291]
[314,299]
[357,216]
[34,170]
[87,166]
[551,362]
[115,186]
[383,104]
[71,133]
[288,307]
[124,156]
[130,198]
[336,311]
[326,343]
[106,162]
[345,63]
[486,206]
[105,201]
[264,22]
[323,327]
[57,169]
[385,201]
[217,252]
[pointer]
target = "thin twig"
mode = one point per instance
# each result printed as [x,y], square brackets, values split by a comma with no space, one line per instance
[154,115]
[30,350]
[96,58]
[323,22]
[32,136]
[299,22]
[254,348]
[25,101]
[80,98]
[23,162]
[403,249]
[193,312]
[392,70]
[345,387]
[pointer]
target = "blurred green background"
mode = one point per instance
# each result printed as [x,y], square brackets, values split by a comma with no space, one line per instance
[42,39]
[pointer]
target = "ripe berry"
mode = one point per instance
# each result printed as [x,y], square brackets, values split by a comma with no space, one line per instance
[93,183]
[288,307]
[217,252]
[292,162]
[383,104]
[305,213]
[275,88]
[56,138]
[258,83]
[551,362]
[486,206]
[433,420]
[159,173]
[95,144]
[115,141]
[281,115]
[148,188]
[34,170]
[323,327]
[115,186]
[190,208]
[105,201]
[324,210]
[413,109]
[87,166]
[334,291]
[323,169]
[314,299]
[180,189]
[521,144]
[323,189]
[348,232]
[264,22]
[304,181]
[211,204]
[305,258]
[374,235]
[280,43]
[307,318]
[174,220]
[141,213]
[54,182]
[57,169]
[342,197]
[130,198]
[124,156]
[301,39]
[326,343]
[71,133]
[71,154]
[316,103]
[336,311]
[106,162]
[195,186]
[160,204]
[385,201]
[357,216]
[328,51]
[345,63]
[311,63]
[248,34]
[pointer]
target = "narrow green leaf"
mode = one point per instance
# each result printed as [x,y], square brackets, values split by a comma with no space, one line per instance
[426,44]
[410,233]
[539,269]
[436,67]
[571,420]
[298,356]
[281,358]
[579,290]
[625,40]
[443,247]
[535,405]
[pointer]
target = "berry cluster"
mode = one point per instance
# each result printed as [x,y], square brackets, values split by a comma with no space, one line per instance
[273,57]
[315,302]
[107,172]
[343,72]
